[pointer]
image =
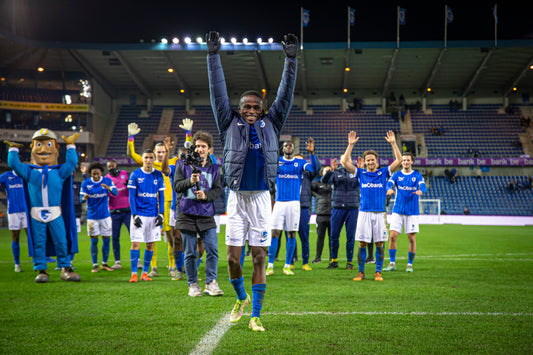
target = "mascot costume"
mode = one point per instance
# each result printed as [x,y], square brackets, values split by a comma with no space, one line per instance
[51,217]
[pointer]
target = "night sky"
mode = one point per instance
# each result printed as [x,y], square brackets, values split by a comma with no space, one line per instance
[119,21]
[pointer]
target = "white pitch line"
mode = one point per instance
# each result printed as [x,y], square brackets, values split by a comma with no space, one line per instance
[210,340]
[399,313]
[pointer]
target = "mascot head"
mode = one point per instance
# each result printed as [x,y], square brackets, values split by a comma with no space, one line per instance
[44,147]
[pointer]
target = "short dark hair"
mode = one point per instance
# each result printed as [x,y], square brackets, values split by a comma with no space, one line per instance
[147,151]
[410,154]
[95,165]
[251,93]
[203,136]
[368,152]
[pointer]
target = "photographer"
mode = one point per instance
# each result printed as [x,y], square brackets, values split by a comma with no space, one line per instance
[197,182]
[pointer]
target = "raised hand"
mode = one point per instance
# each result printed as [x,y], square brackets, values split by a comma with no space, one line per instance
[213,42]
[71,139]
[169,144]
[334,164]
[360,163]
[14,144]
[310,145]
[391,137]
[352,137]
[186,124]
[133,129]
[290,45]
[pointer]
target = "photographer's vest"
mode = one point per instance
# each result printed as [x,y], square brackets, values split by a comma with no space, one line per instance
[188,203]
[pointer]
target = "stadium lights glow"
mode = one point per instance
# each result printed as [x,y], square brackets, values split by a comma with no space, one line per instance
[199,40]
[41,69]
[188,40]
[21,79]
[515,88]
[170,70]
[164,40]
[182,91]
[271,40]
[245,40]
[345,90]
[531,67]
[347,69]
[83,155]
[233,40]
[428,89]
[222,40]
[259,40]
[263,90]
[175,40]
[3,79]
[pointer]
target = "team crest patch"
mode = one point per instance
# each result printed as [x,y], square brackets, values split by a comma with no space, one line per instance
[264,236]
[352,176]
[155,182]
[45,215]
[413,179]
[296,165]
[262,124]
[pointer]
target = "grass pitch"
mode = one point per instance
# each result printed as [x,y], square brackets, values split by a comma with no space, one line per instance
[471,292]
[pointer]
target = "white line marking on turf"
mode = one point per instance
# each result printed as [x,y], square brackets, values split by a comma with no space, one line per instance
[400,313]
[210,340]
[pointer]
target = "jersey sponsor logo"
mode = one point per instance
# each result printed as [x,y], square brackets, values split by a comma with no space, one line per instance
[16,186]
[371,185]
[255,146]
[147,194]
[98,195]
[288,176]
[407,188]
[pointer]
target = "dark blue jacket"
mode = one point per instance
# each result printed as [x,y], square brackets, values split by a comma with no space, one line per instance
[345,188]
[235,131]
[305,193]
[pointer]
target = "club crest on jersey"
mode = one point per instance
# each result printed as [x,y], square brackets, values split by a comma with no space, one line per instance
[262,124]
[352,176]
[413,179]
[264,237]
[155,181]
[379,172]
[295,164]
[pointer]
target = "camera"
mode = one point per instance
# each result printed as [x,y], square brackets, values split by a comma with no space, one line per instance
[192,157]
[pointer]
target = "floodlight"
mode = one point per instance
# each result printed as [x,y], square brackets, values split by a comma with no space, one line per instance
[259,40]
[245,40]
[188,40]
[271,40]
[199,40]
[164,40]
[175,40]
[233,40]
[222,40]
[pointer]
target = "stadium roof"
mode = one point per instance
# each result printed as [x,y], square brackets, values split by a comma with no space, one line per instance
[464,68]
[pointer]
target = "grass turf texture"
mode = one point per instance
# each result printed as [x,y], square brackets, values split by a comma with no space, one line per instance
[471,292]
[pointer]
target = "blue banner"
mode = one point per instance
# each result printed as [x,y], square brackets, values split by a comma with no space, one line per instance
[305,17]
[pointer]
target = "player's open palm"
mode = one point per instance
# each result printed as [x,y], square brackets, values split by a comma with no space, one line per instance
[352,137]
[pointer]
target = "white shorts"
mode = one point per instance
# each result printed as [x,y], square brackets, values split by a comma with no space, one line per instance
[17,221]
[286,216]
[409,223]
[249,215]
[371,224]
[147,233]
[103,227]
[172,218]
[217,221]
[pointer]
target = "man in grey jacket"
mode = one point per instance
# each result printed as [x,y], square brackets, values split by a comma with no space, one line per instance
[250,141]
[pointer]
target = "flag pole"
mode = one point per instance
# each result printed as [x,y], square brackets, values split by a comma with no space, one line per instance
[398,27]
[301,28]
[349,40]
[445,25]
[495,25]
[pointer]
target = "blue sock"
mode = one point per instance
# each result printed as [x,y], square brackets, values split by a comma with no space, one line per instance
[392,255]
[272,249]
[105,249]
[361,259]
[134,256]
[243,253]
[15,249]
[380,256]
[238,286]
[291,245]
[180,261]
[258,294]
[410,258]
[199,262]
[94,250]
[147,259]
